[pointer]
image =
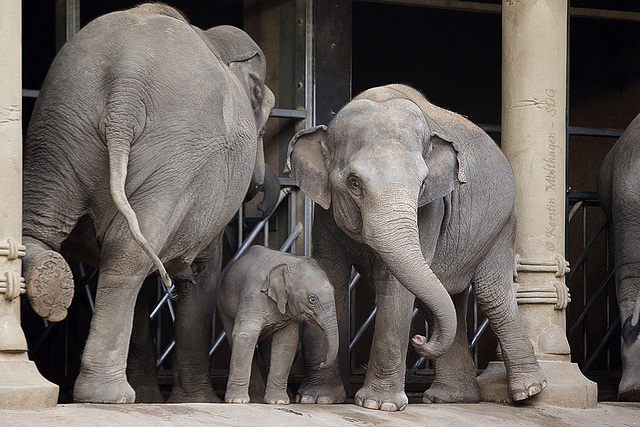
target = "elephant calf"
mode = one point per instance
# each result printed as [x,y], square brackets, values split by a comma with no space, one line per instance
[619,190]
[271,292]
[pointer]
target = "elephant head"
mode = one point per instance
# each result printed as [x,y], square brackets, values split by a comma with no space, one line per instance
[303,292]
[248,63]
[379,160]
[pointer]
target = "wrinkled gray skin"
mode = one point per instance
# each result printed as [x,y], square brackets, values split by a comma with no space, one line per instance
[267,292]
[151,128]
[423,202]
[619,190]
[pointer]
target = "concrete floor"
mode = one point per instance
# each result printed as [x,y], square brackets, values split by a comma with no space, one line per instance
[194,414]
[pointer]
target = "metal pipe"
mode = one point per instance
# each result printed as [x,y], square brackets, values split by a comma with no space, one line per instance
[292,237]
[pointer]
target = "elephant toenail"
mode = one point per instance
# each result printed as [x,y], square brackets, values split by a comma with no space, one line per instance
[324,400]
[307,399]
[519,395]
[534,389]
[388,406]
[371,404]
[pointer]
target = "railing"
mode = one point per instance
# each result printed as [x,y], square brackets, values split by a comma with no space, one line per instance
[593,323]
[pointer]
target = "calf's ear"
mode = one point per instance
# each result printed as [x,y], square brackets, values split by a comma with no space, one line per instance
[276,288]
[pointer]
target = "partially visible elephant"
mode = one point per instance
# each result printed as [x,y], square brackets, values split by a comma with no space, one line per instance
[619,191]
[267,292]
[422,201]
[152,129]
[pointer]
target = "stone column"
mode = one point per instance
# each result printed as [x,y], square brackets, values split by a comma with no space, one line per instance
[534,75]
[21,385]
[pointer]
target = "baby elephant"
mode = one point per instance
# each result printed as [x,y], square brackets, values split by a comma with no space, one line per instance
[270,292]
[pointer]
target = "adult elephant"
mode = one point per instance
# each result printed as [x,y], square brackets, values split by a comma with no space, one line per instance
[619,190]
[152,129]
[422,201]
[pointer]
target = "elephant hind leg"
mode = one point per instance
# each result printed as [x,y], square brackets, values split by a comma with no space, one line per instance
[493,290]
[47,222]
[455,379]
[48,279]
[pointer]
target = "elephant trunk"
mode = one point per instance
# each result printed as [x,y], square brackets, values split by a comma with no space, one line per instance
[329,324]
[393,235]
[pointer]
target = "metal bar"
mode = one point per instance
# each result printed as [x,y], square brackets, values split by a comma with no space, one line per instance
[162,302]
[363,328]
[353,281]
[288,114]
[574,210]
[591,302]
[258,227]
[478,333]
[471,6]
[582,131]
[604,342]
[292,237]
[586,251]
[216,344]
[30,93]
[166,353]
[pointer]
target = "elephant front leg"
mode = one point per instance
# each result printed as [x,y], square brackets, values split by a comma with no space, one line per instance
[244,339]
[384,384]
[283,351]
[102,377]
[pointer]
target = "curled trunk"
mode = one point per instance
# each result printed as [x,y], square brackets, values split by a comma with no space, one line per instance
[393,235]
[329,324]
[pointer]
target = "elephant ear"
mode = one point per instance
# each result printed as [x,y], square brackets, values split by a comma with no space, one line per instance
[307,164]
[442,159]
[275,286]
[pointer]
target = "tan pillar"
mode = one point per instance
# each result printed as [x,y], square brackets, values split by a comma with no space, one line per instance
[534,75]
[21,385]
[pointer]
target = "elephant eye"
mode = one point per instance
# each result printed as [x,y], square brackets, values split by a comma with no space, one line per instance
[354,184]
[313,300]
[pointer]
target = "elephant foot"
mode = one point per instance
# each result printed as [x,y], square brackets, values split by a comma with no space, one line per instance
[321,391]
[463,393]
[202,395]
[49,285]
[279,397]
[391,400]
[523,385]
[101,391]
[236,396]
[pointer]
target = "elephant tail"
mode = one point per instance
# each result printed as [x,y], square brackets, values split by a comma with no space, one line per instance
[118,147]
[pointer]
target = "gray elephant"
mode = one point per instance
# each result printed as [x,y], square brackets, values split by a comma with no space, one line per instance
[270,293]
[151,130]
[619,191]
[422,201]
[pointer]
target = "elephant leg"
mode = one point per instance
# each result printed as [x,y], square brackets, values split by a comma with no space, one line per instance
[626,235]
[325,385]
[52,205]
[283,350]
[383,387]
[102,377]
[194,315]
[493,290]
[628,293]
[142,372]
[455,379]
[245,337]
